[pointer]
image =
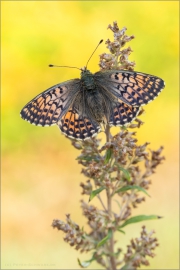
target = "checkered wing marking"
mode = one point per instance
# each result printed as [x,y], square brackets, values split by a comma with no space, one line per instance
[49,106]
[133,88]
[123,114]
[77,127]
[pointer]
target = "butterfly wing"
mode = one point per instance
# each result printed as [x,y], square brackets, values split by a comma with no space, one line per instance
[77,127]
[123,114]
[133,88]
[46,108]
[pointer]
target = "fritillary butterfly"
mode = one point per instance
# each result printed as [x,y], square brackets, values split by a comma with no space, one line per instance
[80,106]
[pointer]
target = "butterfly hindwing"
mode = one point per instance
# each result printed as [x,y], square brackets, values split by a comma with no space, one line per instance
[133,88]
[49,106]
[77,127]
[123,114]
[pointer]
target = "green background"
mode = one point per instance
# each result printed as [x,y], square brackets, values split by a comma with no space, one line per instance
[40,176]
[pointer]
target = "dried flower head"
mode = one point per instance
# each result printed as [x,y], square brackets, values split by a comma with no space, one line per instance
[118,57]
[139,249]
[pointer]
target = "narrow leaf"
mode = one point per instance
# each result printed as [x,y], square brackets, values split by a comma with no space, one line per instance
[88,158]
[108,155]
[123,189]
[105,239]
[138,219]
[121,231]
[95,192]
[86,263]
[126,173]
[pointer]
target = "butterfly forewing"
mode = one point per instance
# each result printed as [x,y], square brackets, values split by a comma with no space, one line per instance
[49,106]
[133,88]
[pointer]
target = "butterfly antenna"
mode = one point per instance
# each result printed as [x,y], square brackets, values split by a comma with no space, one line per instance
[63,66]
[94,51]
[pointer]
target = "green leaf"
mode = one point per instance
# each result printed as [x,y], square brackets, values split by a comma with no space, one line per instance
[95,192]
[121,231]
[108,155]
[105,239]
[86,263]
[126,172]
[88,158]
[138,219]
[123,189]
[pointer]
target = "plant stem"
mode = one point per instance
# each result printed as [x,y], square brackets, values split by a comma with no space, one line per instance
[99,197]
[111,245]
[107,132]
[109,201]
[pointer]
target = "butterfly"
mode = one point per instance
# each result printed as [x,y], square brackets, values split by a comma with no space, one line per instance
[80,106]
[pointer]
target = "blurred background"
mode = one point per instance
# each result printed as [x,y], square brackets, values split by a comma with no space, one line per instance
[40,176]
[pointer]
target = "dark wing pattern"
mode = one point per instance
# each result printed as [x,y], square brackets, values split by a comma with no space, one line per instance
[123,114]
[133,88]
[50,105]
[77,127]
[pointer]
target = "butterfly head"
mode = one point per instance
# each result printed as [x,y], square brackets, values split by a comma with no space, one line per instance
[87,79]
[84,71]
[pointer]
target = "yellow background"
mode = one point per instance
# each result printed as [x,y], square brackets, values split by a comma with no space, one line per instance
[40,176]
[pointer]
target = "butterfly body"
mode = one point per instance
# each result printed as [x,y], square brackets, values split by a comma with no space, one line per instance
[80,106]
[91,101]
